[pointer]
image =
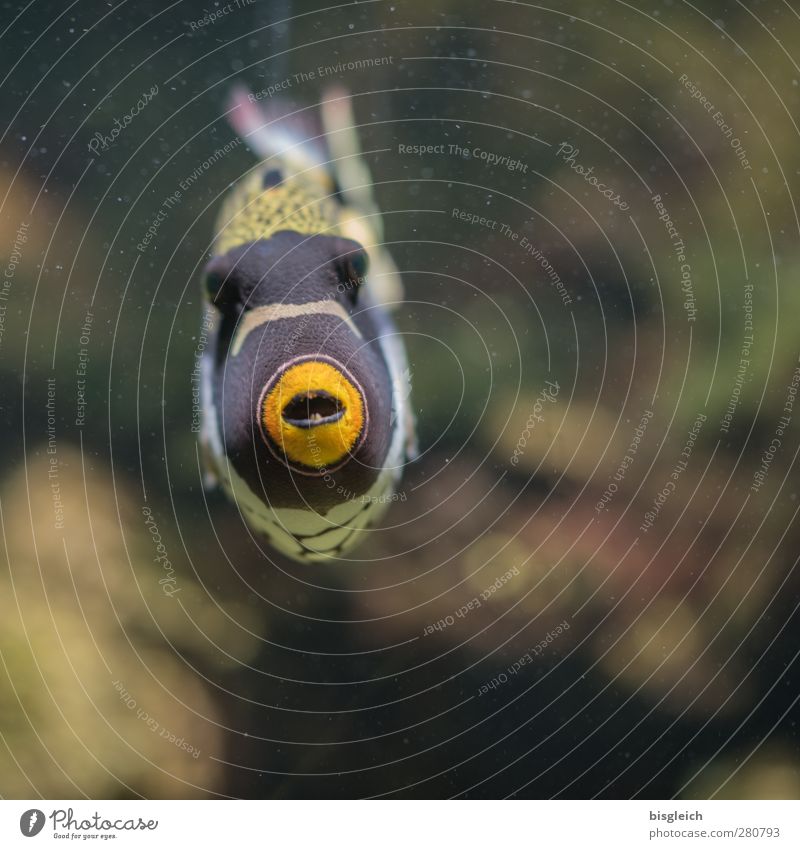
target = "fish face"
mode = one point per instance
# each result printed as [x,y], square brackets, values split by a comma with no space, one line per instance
[302,392]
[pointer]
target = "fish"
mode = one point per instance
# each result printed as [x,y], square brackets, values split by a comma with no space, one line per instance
[307,422]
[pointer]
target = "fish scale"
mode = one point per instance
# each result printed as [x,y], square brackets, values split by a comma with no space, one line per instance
[251,212]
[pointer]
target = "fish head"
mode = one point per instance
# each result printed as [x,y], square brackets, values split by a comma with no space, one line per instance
[304,389]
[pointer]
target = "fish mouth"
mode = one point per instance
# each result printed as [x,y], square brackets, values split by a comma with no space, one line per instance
[313,408]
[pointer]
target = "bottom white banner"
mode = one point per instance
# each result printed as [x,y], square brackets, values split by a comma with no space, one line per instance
[354,824]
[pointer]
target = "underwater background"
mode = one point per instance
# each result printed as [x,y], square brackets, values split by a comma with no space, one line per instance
[588,583]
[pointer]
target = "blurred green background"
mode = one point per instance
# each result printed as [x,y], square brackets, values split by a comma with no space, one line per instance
[260,677]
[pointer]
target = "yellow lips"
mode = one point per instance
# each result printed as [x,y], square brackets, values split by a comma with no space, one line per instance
[314,414]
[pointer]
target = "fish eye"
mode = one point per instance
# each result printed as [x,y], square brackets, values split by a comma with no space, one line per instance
[312,415]
[214,284]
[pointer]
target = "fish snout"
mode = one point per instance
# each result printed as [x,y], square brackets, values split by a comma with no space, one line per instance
[313,414]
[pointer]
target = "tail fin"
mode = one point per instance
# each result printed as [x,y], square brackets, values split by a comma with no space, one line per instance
[271,130]
[301,143]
